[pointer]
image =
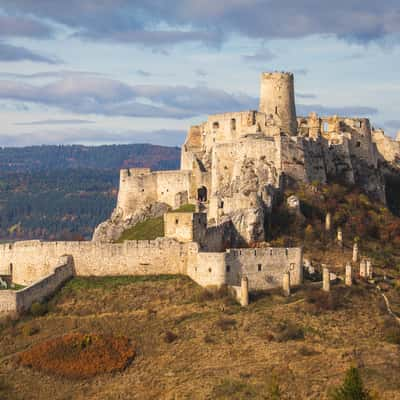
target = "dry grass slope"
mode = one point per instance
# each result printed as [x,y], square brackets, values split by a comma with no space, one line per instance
[194,345]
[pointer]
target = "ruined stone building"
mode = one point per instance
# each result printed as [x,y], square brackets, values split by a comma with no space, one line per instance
[233,165]
[232,168]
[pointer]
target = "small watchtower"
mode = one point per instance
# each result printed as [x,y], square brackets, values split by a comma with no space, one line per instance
[277,100]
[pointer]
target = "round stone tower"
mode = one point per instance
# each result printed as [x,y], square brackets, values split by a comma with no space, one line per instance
[277,99]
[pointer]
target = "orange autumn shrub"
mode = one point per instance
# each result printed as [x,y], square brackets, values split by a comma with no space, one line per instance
[77,355]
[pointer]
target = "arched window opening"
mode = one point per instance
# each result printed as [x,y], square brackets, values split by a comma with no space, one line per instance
[233,124]
[215,125]
[202,194]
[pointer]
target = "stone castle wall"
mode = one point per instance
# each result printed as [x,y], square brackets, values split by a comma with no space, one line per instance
[185,226]
[21,300]
[32,260]
[264,267]
[141,187]
[387,148]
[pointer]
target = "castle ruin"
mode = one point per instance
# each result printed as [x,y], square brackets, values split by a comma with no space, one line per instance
[233,167]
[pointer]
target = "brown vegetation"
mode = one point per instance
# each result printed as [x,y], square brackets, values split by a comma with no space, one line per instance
[190,347]
[78,356]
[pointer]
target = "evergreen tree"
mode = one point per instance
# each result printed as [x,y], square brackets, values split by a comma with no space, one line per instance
[352,387]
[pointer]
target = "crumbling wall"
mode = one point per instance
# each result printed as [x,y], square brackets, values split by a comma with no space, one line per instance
[32,260]
[137,187]
[209,269]
[227,127]
[141,187]
[185,226]
[169,183]
[264,267]
[387,148]
[18,301]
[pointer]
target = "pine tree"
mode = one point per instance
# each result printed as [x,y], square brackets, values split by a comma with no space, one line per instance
[352,387]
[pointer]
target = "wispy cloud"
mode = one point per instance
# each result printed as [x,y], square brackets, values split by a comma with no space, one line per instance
[306,95]
[9,53]
[144,74]
[261,56]
[11,26]
[300,71]
[95,95]
[205,20]
[394,124]
[50,74]
[200,72]
[56,122]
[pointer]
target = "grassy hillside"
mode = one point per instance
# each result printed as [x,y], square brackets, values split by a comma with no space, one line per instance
[151,228]
[194,344]
[147,230]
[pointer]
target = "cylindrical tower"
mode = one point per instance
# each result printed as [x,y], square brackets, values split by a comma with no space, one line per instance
[277,99]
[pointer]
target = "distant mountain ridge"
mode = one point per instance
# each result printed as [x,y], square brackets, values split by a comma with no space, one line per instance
[50,157]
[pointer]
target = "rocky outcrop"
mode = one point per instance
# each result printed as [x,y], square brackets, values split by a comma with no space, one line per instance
[248,226]
[112,229]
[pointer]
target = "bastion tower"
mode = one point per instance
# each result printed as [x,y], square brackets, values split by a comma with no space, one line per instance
[277,100]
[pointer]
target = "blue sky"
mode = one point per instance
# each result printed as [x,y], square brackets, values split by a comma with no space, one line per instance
[129,71]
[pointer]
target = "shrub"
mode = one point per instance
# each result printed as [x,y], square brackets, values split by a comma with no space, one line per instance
[288,330]
[352,387]
[233,389]
[38,309]
[209,339]
[30,330]
[306,351]
[79,356]
[318,301]
[202,295]
[226,323]
[391,330]
[170,337]
[273,390]
[4,388]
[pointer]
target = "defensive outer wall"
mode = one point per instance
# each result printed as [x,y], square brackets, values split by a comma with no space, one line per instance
[20,300]
[30,261]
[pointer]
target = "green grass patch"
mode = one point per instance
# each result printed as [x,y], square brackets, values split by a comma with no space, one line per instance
[15,287]
[147,230]
[186,208]
[112,282]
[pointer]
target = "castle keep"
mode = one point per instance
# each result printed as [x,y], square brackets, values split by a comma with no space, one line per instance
[234,164]
[233,167]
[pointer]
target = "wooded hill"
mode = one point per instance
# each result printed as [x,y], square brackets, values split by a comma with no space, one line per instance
[63,192]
